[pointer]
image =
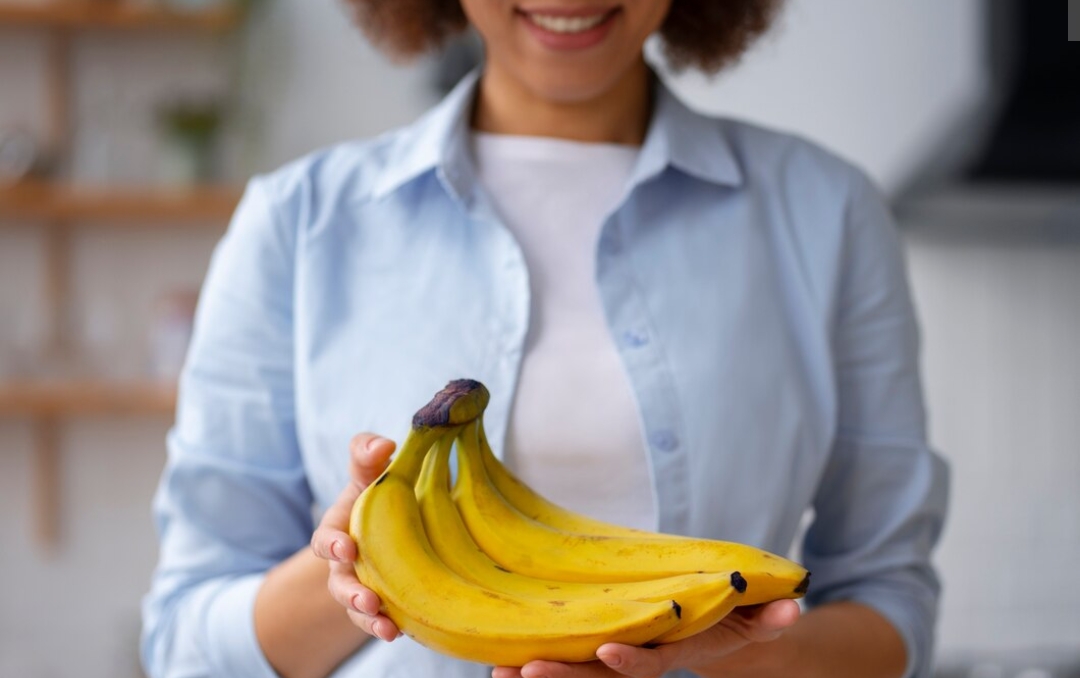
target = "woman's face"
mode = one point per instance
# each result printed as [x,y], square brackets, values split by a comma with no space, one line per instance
[565,50]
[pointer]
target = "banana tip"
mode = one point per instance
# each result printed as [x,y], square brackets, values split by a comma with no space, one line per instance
[738,582]
[804,585]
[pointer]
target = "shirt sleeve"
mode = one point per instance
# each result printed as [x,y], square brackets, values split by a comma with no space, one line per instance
[233,499]
[881,502]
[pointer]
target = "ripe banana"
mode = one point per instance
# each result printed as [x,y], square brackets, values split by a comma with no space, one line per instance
[704,599]
[525,546]
[439,609]
[525,499]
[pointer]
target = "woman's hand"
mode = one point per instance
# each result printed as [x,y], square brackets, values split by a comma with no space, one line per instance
[369,455]
[743,627]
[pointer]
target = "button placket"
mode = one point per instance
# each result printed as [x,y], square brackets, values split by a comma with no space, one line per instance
[664,439]
[647,367]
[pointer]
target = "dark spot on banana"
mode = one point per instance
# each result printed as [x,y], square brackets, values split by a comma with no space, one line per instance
[678,609]
[382,477]
[804,585]
[557,603]
[738,582]
[500,567]
[607,590]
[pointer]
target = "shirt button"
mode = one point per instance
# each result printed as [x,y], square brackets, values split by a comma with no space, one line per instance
[634,338]
[664,440]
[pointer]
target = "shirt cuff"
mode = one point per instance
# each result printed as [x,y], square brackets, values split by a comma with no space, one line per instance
[230,631]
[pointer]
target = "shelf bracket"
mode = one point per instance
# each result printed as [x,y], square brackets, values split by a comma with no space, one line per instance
[47,491]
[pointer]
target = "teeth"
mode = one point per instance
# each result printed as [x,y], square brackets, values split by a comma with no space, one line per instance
[567,24]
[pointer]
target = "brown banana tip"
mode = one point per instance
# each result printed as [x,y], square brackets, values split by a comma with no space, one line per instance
[738,582]
[678,609]
[804,585]
[461,401]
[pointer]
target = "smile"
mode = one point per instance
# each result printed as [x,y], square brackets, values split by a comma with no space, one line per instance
[569,29]
[567,24]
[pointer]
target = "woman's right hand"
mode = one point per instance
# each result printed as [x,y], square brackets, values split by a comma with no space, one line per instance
[369,455]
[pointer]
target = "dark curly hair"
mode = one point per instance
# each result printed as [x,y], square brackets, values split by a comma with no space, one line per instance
[707,34]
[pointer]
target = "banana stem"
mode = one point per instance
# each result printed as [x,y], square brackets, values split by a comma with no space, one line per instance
[458,404]
[409,460]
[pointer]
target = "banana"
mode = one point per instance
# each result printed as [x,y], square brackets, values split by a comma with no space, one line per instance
[439,609]
[704,599]
[522,497]
[525,546]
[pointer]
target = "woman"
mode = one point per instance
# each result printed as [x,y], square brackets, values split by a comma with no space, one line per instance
[686,324]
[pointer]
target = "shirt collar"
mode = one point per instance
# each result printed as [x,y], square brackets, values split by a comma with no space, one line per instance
[687,141]
[677,137]
[438,141]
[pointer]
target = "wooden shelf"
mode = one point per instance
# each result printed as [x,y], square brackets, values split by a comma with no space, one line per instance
[117,14]
[37,201]
[47,402]
[58,399]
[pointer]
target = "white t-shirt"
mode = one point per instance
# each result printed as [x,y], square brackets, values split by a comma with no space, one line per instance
[574,434]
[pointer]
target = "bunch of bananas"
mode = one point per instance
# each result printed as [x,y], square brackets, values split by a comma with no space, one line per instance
[485,569]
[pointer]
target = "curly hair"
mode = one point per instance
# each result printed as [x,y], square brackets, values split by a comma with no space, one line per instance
[706,34]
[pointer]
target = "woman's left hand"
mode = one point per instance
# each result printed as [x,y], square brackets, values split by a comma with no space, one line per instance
[743,627]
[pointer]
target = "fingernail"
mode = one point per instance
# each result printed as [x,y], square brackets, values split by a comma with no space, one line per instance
[358,603]
[382,631]
[335,550]
[610,659]
[371,444]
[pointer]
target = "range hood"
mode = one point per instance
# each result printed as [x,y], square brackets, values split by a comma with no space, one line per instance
[1036,135]
[1011,168]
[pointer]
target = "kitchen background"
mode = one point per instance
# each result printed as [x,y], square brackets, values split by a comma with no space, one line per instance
[136,126]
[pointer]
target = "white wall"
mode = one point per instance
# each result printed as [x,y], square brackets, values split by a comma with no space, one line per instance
[879,82]
[1001,325]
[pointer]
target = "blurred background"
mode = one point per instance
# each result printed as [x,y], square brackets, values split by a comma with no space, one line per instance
[127,130]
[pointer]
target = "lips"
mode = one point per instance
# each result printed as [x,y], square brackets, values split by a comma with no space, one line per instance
[569,29]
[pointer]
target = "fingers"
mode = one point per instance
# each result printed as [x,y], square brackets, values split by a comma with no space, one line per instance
[368,456]
[747,625]
[762,623]
[349,592]
[543,669]
[360,602]
[637,662]
[379,626]
[759,624]
[331,540]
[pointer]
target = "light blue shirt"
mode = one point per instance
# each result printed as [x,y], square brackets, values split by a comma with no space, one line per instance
[755,291]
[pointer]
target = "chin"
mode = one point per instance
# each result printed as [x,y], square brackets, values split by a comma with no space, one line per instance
[571,86]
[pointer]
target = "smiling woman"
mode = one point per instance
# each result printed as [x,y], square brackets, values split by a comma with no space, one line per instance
[703,34]
[687,324]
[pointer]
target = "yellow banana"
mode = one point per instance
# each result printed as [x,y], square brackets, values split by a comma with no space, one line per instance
[439,609]
[526,546]
[522,497]
[704,599]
